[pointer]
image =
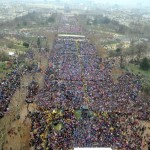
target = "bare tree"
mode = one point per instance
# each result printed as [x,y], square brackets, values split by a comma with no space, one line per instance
[141,49]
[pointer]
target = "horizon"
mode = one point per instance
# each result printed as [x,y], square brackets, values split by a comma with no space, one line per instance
[126,3]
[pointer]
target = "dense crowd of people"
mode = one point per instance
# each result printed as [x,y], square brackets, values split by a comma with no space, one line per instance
[78,80]
[11,82]
[105,129]
[73,76]
[32,90]
[8,86]
[80,105]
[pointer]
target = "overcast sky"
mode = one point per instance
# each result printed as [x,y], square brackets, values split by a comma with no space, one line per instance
[127,2]
[138,3]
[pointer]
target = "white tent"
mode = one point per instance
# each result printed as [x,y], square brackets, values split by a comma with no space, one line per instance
[11,53]
[92,148]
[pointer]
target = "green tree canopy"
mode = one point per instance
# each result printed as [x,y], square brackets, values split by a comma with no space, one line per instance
[4,56]
[25,44]
[118,50]
[145,64]
[146,88]
[51,19]
[38,42]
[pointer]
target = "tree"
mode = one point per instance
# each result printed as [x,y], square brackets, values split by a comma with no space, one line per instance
[25,44]
[122,29]
[132,48]
[142,47]
[95,22]
[38,42]
[106,20]
[145,65]
[51,19]
[24,23]
[10,45]
[146,88]
[88,22]
[4,56]
[118,50]
[119,53]
[18,25]
[112,53]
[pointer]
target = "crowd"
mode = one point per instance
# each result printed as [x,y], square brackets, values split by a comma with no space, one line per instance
[69,25]
[12,81]
[32,90]
[104,129]
[75,79]
[75,76]
[7,88]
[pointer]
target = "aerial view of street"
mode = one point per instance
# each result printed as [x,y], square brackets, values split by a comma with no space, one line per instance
[74,74]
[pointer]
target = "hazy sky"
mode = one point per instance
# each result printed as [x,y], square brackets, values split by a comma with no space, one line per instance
[138,3]
[127,2]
